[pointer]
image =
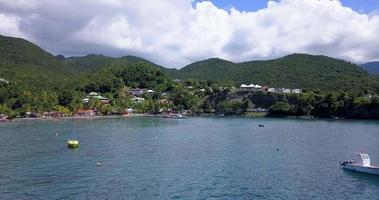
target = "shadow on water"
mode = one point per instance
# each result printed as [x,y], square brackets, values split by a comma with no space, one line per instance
[369,178]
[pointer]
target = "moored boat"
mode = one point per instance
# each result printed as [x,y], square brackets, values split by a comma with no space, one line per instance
[363,166]
[72,143]
[173,116]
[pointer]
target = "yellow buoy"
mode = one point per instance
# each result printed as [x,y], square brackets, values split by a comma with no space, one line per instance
[72,143]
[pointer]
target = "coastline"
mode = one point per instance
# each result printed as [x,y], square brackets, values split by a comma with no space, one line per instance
[248,115]
[78,117]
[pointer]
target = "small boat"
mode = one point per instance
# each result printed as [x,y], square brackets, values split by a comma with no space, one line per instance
[71,143]
[363,166]
[174,116]
[261,125]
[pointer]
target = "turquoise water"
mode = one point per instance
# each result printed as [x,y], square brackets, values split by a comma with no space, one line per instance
[195,158]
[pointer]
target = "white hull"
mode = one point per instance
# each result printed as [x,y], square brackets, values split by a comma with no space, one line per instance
[359,168]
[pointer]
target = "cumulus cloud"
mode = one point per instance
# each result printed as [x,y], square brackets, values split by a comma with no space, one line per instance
[174,33]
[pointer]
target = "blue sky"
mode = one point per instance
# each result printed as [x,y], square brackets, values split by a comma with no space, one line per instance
[362,6]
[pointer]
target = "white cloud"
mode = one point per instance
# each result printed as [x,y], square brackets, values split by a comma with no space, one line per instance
[174,33]
[9,25]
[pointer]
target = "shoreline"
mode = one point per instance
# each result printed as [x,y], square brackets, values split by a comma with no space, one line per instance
[186,115]
[78,117]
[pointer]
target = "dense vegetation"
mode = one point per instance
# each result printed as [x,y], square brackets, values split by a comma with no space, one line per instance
[24,63]
[293,71]
[40,82]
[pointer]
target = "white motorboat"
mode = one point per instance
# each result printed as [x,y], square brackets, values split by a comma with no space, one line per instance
[364,165]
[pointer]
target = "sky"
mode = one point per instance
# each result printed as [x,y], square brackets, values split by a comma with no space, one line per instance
[174,33]
[362,6]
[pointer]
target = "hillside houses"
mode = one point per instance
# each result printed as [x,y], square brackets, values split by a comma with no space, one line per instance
[252,87]
[285,90]
[96,96]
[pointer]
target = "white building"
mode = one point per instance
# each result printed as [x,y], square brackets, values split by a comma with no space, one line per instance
[297,91]
[138,99]
[248,87]
[257,87]
[137,91]
[285,90]
[4,81]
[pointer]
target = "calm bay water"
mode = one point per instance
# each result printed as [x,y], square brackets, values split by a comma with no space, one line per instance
[195,158]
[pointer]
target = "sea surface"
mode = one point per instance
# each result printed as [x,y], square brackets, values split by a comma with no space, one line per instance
[195,158]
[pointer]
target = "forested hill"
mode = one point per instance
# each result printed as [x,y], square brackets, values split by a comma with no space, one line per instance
[26,64]
[29,66]
[371,67]
[294,71]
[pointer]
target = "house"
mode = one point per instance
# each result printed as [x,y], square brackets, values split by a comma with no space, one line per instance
[86,100]
[137,99]
[257,87]
[85,113]
[285,90]
[271,90]
[247,87]
[137,91]
[279,90]
[103,100]
[164,101]
[96,96]
[32,115]
[52,114]
[297,91]
[243,86]
[4,81]
[92,94]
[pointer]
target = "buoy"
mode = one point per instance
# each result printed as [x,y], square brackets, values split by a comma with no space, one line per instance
[277,149]
[72,143]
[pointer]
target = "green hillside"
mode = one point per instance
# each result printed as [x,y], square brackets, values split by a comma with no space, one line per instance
[294,71]
[26,64]
[85,64]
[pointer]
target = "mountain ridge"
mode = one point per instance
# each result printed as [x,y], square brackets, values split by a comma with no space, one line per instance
[371,67]
[24,62]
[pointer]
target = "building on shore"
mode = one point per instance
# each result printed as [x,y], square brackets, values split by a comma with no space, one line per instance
[137,92]
[85,113]
[251,87]
[297,91]
[285,90]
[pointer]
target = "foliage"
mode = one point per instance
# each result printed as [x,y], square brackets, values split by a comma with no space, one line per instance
[293,71]
[40,82]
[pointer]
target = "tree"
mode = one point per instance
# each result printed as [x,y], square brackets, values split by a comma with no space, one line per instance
[280,109]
